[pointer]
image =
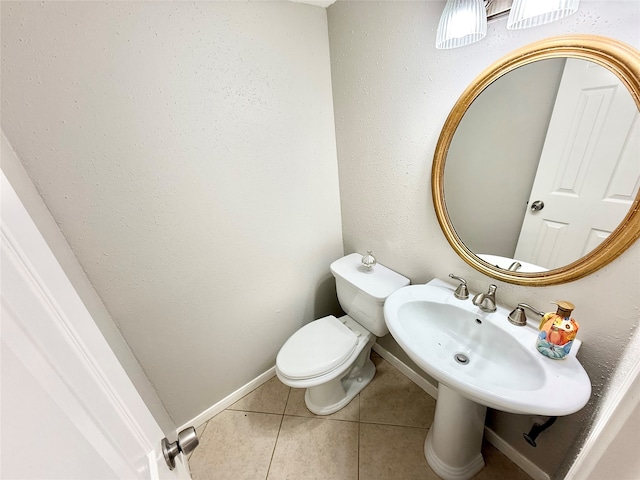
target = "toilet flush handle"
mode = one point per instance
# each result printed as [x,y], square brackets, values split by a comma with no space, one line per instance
[369,260]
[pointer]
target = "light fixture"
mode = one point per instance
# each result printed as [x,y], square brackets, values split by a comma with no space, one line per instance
[462,22]
[465,21]
[531,13]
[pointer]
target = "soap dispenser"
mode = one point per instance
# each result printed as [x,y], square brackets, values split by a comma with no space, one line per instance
[557,331]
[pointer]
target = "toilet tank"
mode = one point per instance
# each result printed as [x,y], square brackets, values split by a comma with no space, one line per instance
[362,292]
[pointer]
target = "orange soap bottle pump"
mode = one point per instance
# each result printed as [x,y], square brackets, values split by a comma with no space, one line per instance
[557,331]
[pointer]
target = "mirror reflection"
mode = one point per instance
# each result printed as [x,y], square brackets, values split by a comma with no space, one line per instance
[543,165]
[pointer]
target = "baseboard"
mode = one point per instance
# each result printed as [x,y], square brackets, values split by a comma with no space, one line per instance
[507,450]
[229,400]
[406,370]
[516,457]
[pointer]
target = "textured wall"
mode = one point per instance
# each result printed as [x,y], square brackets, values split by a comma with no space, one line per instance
[392,92]
[187,152]
[15,173]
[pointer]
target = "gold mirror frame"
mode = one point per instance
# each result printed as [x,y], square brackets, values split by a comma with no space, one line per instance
[618,57]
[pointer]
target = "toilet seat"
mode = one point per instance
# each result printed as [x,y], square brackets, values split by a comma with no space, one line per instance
[317,348]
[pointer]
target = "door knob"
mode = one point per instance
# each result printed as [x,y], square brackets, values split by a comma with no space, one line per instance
[186,443]
[537,205]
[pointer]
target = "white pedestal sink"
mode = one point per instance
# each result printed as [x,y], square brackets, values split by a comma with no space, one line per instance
[480,360]
[453,443]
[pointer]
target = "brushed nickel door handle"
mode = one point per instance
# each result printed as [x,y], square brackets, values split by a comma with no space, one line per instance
[186,443]
[537,205]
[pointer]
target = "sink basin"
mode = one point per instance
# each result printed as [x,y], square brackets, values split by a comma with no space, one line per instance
[503,368]
[480,360]
[464,349]
[504,263]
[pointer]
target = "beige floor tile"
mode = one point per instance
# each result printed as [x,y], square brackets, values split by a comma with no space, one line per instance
[200,429]
[297,407]
[388,452]
[236,446]
[389,444]
[270,397]
[199,432]
[393,399]
[311,448]
[499,466]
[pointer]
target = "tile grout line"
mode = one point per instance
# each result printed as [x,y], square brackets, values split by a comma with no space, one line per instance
[317,417]
[395,425]
[358,456]
[275,444]
[201,435]
[257,410]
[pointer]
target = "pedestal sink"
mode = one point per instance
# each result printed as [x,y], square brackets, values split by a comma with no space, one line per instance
[480,360]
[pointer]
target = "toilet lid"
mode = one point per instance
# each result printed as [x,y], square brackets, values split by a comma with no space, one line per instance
[316,348]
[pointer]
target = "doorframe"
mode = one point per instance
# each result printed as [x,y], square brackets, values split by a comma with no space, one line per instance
[95,366]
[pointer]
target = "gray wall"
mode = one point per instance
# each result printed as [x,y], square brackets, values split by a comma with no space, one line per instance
[494,154]
[187,153]
[392,93]
[17,176]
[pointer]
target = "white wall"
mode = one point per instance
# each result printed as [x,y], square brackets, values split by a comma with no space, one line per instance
[392,93]
[187,152]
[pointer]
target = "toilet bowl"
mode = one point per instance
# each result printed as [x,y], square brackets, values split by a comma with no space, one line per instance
[330,356]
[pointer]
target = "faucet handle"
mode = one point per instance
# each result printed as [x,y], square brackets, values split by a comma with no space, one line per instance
[462,292]
[518,316]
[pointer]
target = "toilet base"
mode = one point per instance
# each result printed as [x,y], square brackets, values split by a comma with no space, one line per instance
[331,396]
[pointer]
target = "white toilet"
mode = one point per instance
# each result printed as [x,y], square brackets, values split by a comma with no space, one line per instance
[330,356]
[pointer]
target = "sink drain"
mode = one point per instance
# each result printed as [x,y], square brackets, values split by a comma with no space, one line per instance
[461,358]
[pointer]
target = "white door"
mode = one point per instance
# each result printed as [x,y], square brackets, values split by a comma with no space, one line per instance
[589,169]
[67,408]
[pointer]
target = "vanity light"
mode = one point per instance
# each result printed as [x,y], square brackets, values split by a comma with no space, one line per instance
[462,22]
[465,21]
[531,13]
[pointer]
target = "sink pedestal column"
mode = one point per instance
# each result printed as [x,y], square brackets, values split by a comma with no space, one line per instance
[453,445]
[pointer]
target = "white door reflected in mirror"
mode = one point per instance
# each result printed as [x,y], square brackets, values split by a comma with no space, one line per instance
[589,171]
[564,132]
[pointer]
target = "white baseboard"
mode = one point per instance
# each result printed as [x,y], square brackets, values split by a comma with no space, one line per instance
[516,457]
[414,376]
[507,450]
[229,400]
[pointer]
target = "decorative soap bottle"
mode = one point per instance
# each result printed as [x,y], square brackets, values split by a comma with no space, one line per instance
[557,331]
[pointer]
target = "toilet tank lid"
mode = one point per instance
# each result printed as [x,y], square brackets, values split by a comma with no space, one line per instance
[379,282]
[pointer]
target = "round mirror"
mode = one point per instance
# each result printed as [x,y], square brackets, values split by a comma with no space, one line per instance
[536,173]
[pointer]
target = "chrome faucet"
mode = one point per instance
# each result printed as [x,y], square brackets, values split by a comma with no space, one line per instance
[514,267]
[519,318]
[462,292]
[486,301]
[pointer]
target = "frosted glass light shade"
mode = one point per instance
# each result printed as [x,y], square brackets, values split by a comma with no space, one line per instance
[531,13]
[462,22]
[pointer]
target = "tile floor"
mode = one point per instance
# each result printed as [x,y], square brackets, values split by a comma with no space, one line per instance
[270,435]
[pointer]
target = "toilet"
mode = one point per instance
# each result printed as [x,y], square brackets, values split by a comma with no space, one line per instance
[330,356]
